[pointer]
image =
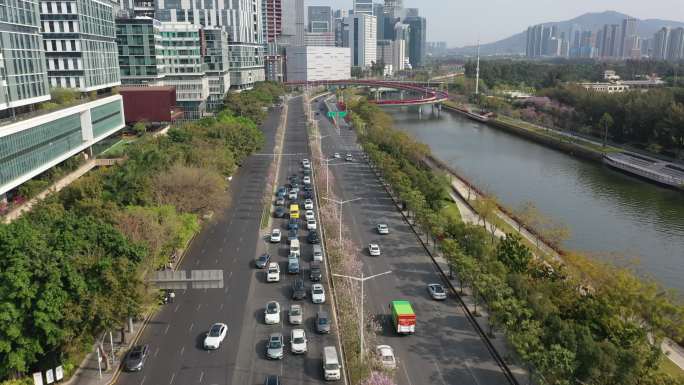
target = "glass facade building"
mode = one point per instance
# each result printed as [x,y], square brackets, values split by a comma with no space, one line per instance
[80,44]
[217,59]
[140,48]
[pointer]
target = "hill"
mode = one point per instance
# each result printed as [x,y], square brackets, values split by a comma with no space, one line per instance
[589,21]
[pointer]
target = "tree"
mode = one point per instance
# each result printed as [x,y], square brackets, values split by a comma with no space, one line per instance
[190,189]
[140,128]
[378,378]
[605,124]
[513,253]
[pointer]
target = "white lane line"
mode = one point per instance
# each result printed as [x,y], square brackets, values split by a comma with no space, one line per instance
[167,328]
[216,261]
[230,275]
[441,377]
[221,307]
[197,262]
[192,325]
[173,377]
[176,309]
[156,352]
[240,241]
[182,350]
[199,305]
[220,249]
[203,250]
[225,290]
[467,365]
[237,249]
[201,376]
[225,240]
[143,380]
[406,374]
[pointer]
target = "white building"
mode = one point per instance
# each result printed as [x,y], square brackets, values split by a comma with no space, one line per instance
[399,58]
[362,39]
[318,63]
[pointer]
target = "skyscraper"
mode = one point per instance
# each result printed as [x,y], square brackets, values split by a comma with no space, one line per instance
[629,40]
[661,41]
[675,47]
[533,47]
[293,23]
[417,40]
[320,19]
[610,44]
[217,60]
[140,50]
[362,39]
[363,7]
[341,28]
[272,22]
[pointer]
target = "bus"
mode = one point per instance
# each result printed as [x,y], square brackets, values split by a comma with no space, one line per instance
[294,211]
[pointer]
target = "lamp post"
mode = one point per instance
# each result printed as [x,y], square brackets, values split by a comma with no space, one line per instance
[361,279]
[341,203]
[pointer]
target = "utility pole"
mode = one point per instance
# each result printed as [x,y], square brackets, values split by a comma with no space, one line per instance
[477,70]
[341,203]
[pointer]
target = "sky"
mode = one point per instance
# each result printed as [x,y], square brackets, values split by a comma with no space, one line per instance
[461,22]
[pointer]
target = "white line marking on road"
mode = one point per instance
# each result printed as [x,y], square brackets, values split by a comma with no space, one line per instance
[441,377]
[221,307]
[192,325]
[143,380]
[230,275]
[167,328]
[225,290]
[225,240]
[237,249]
[176,309]
[182,350]
[467,365]
[197,262]
[156,351]
[240,241]
[203,250]
[201,376]
[173,376]
[216,261]
[406,374]
[199,305]
[220,249]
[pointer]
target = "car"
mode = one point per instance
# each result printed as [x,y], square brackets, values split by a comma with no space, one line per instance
[386,355]
[293,224]
[274,347]
[307,180]
[275,236]
[315,272]
[322,322]
[280,212]
[308,204]
[292,195]
[309,214]
[383,229]
[215,335]
[298,289]
[349,157]
[272,379]
[295,315]
[337,155]
[311,224]
[295,187]
[313,237]
[292,235]
[305,161]
[308,195]
[136,357]
[374,249]
[307,171]
[437,291]
[298,341]
[262,261]
[280,201]
[273,274]
[317,293]
[282,191]
[272,313]
[293,264]
[306,165]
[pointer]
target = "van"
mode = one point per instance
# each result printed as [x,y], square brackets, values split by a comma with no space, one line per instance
[294,247]
[317,253]
[294,211]
[331,364]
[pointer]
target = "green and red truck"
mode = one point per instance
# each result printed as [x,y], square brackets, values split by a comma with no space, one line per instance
[403,317]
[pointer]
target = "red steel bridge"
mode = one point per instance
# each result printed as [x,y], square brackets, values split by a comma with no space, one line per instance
[420,93]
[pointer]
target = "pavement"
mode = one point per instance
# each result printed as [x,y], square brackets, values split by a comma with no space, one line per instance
[446,348]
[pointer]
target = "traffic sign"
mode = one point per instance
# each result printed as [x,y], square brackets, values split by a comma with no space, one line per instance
[339,114]
[331,114]
[342,114]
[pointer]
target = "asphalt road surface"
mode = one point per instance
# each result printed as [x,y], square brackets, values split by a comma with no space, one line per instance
[231,243]
[446,348]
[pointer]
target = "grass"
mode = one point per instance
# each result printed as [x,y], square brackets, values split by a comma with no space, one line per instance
[669,367]
[450,210]
[118,148]
[266,215]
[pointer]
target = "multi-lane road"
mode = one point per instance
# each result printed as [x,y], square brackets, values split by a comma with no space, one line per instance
[231,243]
[446,349]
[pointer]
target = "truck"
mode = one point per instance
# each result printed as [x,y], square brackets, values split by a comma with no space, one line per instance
[403,317]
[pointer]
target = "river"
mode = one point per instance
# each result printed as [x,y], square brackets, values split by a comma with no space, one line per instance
[610,215]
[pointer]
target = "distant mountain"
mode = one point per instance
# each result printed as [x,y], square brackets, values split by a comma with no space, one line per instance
[589,21]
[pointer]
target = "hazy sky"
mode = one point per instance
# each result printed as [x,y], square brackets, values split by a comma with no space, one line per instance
[460,22]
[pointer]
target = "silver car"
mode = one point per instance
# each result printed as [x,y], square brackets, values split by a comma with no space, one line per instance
[437,291]
[295,315]
[274,347]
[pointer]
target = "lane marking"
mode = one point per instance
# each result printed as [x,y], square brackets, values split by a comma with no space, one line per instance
[201,376]
[156,352]
[197,262]
[173,376]
[216,261]
[182,350]
[192,325]
[230,275]
[199,305]
[143,380]
[221,307]
[220,249]
[176,309]
[167,329]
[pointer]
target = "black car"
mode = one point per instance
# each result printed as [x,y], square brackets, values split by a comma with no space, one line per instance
[292,235]
[308,194]
[315,273]
[298,289]
[262,261]
[135,359]
[307,188]
[313,237]
[293,224]
[280,212]
[272,380]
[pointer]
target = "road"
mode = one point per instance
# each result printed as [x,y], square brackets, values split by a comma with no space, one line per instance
[446,348]
[231,243]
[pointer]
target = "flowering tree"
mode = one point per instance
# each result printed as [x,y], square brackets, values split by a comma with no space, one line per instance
[378,378]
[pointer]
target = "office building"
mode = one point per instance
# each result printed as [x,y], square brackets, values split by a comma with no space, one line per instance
[217,59]
[629,40]
[241,19]
[294,27]
[318,63]
[341,28]
[182,44]
[362,39]
[610,42]
[661,42]
[417,40]
[411,12]
[272,22]
[384,51]
[140,50]
[363,7]
[319,39]
[79,39]
[535,36]
[135,8]
[320,19]
[399,58]
[675,47]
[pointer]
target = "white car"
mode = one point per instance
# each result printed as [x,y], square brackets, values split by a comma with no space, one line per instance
[349,158]
[296,314]
[311,224]
[273,274]
[215,336]
[374,250]
[309,214]
[308,204]
[317,293]
[437,291]
[306,165]
[305,161]
[272,313]
[292,195]
[298,341]
[383,229]
[386,356]
[275,235]
[307,180]
[337,155]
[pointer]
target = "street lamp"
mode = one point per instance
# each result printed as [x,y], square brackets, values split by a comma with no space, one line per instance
[362,279]
[341,203]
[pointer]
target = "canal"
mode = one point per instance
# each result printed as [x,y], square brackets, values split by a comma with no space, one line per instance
[611,216]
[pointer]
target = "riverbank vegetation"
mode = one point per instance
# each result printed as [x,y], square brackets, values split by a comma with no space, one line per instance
[76,265]
[570,322]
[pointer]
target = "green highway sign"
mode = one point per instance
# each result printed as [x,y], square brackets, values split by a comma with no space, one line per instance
[339,114]
[331,114]
[342,114]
